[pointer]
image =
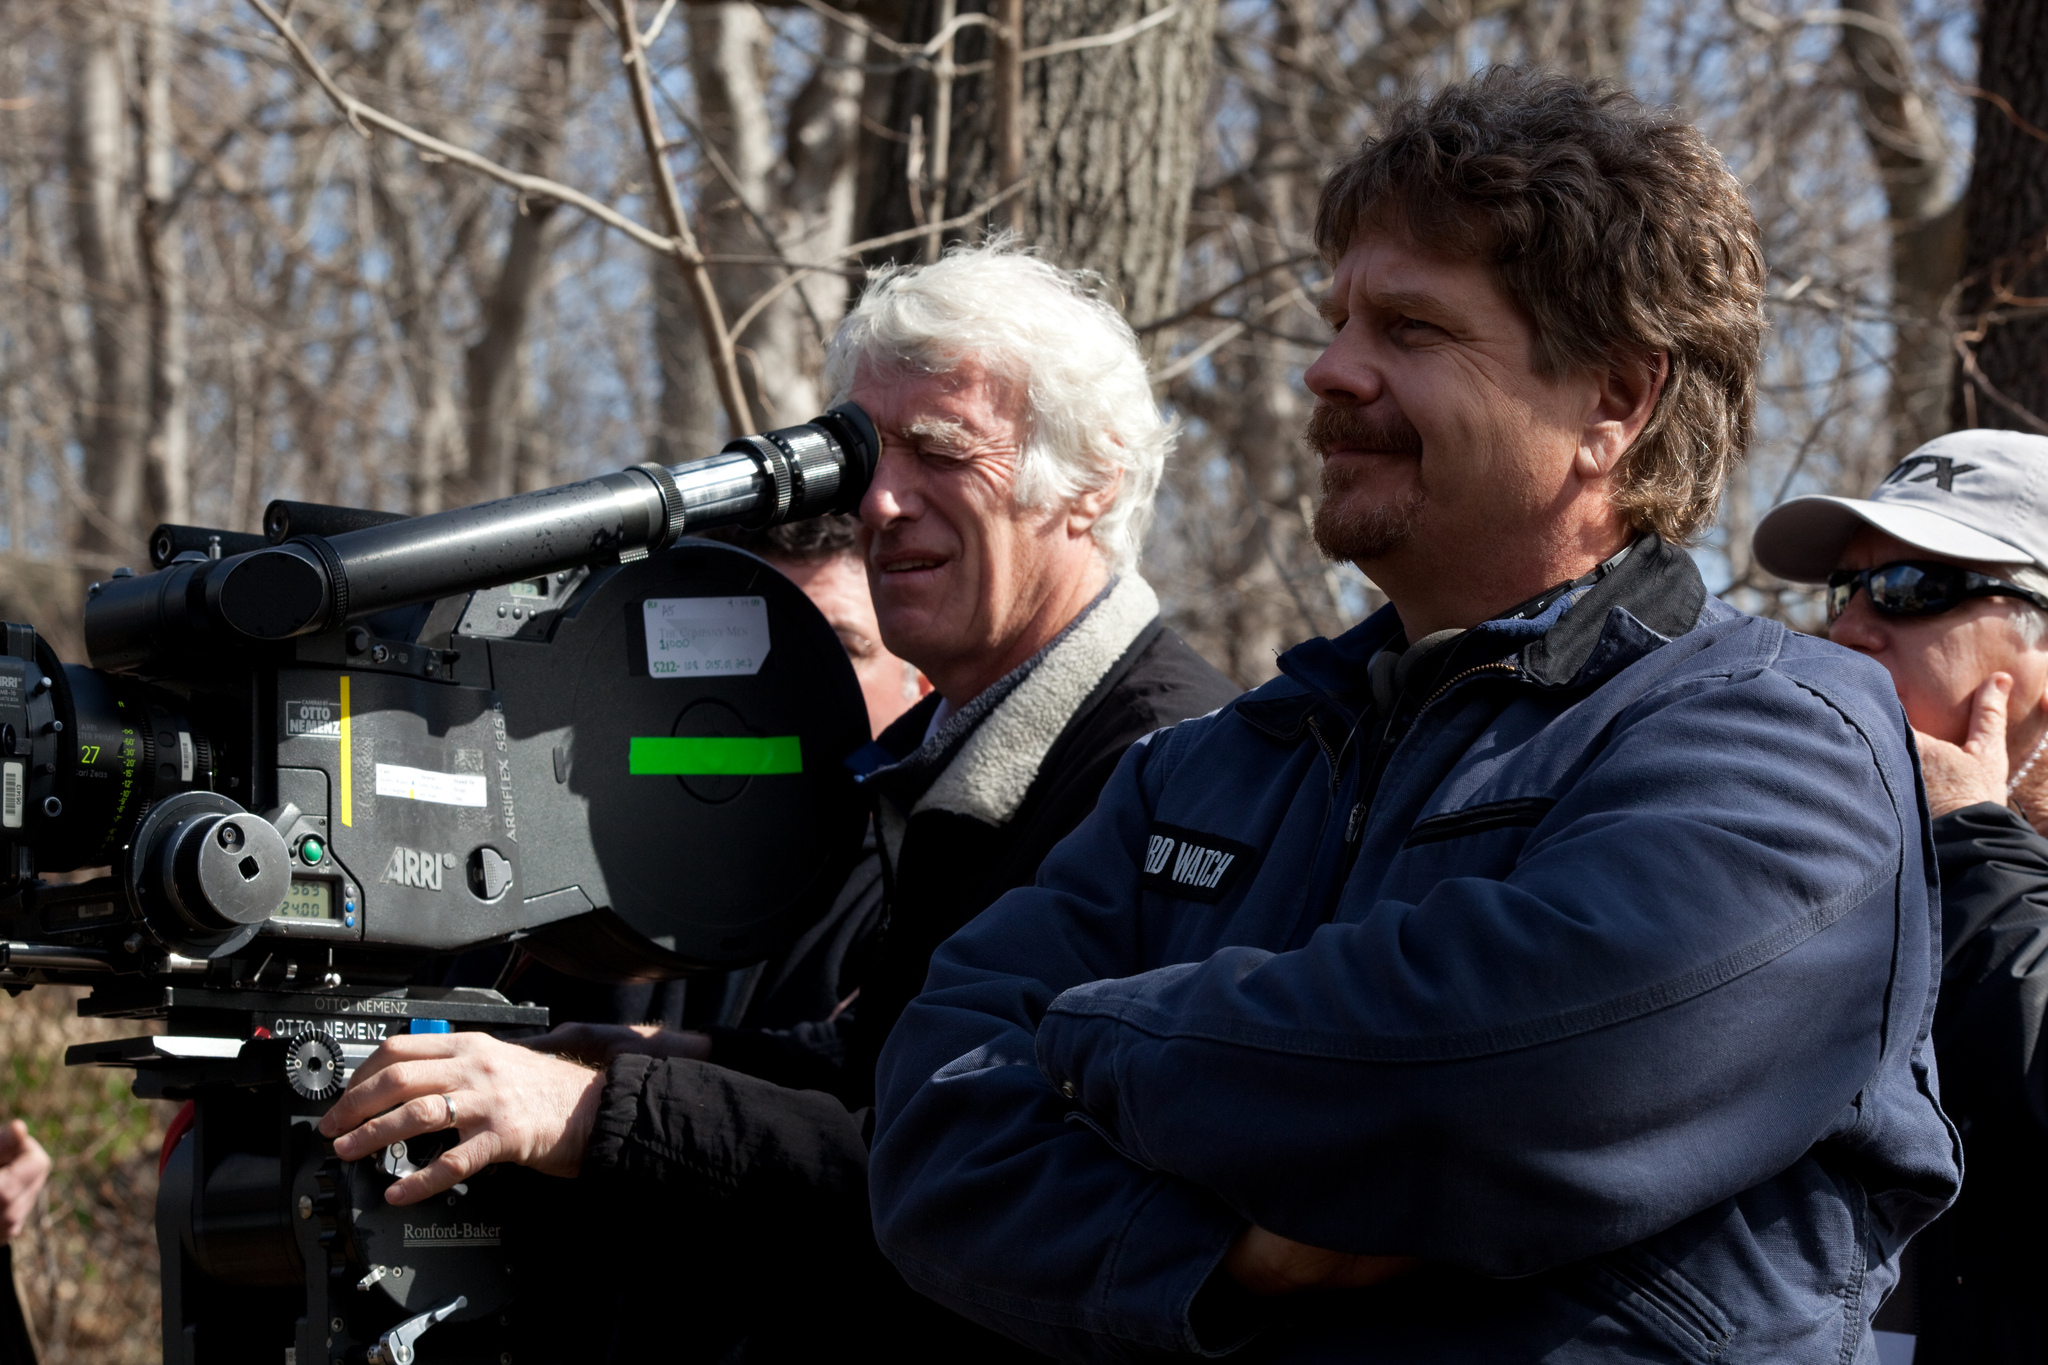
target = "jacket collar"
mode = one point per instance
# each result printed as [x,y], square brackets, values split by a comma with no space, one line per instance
[1580,638]
[1657,586]
[984,759]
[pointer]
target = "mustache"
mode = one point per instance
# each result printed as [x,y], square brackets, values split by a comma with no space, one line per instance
[1330,427]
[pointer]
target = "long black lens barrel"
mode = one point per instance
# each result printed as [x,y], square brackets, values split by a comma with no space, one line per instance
[313,583]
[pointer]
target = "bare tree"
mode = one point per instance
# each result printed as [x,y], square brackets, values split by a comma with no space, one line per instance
[2003,311]
[106,202]
[445,266]
[1917,167]
[1110,129]
[779,185]
[163,267]
[501,405]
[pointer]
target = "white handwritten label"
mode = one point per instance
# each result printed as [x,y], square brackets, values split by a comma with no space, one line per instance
[706,637]
[10,795]
[418,784]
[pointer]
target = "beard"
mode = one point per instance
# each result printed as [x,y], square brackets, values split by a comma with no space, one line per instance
[1344,530]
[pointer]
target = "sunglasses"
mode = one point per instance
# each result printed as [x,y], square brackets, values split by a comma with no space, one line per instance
[1914,587]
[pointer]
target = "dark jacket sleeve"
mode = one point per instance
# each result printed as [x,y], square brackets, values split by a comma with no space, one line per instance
[806,1056]
[1994,979]
[741,1199]
[700,1134]
[1561,1063]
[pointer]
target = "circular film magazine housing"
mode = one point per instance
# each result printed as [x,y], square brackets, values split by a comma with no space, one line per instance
[679,744]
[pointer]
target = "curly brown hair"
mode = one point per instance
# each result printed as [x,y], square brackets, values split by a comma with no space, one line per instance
[1615,226]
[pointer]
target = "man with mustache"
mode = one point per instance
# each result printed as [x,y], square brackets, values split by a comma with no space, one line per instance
[1541,970]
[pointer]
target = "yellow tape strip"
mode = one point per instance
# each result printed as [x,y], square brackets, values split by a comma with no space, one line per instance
[348,767]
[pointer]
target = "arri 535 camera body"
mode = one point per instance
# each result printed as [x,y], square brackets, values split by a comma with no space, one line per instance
[317,759]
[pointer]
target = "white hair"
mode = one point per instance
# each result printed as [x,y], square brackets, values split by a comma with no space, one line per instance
[2032,623]
[1089,406]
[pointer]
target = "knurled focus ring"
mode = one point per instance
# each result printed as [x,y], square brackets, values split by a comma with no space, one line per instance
[815,471]
[775,465]
[671,504]
[337,576]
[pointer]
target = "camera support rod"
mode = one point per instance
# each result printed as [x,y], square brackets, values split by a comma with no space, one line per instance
[315,583]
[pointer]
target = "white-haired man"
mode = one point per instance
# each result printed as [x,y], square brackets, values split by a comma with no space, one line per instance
[1021,448]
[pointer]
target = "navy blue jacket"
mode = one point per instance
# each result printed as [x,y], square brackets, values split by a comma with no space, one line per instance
[1602,982]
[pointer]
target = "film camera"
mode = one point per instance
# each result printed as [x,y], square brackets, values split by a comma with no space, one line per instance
[316,759]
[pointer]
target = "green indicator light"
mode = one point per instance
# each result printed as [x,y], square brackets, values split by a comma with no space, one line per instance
[311,850]
[743,757]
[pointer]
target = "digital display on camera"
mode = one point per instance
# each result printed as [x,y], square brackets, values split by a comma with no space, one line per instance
[529,587]
[308,899]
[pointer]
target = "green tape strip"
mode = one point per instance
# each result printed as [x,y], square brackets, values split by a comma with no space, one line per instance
[669,757]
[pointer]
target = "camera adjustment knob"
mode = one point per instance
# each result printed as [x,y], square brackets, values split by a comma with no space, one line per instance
[228,870]
[313,1066]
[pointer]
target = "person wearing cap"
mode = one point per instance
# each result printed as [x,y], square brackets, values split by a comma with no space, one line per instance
[1941,575]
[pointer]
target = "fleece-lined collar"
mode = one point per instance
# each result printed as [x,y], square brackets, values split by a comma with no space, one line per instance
[983,760]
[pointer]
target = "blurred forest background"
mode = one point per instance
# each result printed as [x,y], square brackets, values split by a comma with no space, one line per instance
[409,254]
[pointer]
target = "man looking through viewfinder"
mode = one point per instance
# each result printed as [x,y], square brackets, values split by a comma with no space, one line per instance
[1021,450]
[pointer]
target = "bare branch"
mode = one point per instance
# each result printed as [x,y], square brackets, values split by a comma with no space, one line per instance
[1109,39]
[2004,106]
[660,18]
[1773,26]
[724,364]
[540,187]
[914,51]
[797,272]
[1200,308]
[1009,85]
[939,45]
[942,127]
[1967,354]
[1224,337]
[762,227]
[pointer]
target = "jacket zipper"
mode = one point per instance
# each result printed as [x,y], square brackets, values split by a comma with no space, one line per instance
[1335,757]
[1497,666]
[1369,779]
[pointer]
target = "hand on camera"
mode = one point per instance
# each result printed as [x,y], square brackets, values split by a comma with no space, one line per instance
[1959,775]
[1269,1265]
[509,1104]
[24,1170]
[598,1044]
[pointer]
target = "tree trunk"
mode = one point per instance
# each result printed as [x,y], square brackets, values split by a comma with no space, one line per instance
[2005,253]
[1110,134]
[163,262]
[496,396]
[114,427]
[761,202]
[1911,152]
[413,287]
[1256,405]
[729,54]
